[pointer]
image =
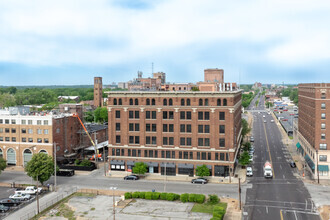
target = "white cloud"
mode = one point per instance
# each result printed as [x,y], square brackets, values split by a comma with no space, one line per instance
[59,32]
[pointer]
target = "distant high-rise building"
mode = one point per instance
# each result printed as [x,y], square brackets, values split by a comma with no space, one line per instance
[312,132]
[98,99]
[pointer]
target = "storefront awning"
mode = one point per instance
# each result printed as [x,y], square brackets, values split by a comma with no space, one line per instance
[117,162]
[169,165]
[130,163]
[323,168]
[298,145]
[186,166]
[309,162]
[152,164]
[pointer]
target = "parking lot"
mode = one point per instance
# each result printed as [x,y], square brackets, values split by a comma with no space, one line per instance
[5,192]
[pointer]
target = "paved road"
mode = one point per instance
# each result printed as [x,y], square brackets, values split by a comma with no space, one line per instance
[284,196]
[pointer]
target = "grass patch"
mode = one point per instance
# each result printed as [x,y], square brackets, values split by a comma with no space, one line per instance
[92,209]
[85,194]
[291,137]
[66,212]
[207,208]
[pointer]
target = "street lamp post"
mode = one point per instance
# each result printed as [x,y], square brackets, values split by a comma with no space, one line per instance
[165,178]
[55,167]
[317,167]
[113,201]
[37,194]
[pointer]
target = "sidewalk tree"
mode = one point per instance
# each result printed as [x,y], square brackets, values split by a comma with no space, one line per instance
[246,129]
[3,164]
[140,168]
[202,171]
[247,146]
[40,167]
[244,159]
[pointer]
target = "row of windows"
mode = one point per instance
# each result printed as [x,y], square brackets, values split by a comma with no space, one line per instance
[23,122]
[184,102]
[13,139]
[184,141]
[188,155]
[184,115]
[24,130]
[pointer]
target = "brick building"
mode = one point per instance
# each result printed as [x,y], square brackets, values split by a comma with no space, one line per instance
[176,130]
[214,75]
[312,132]
[98,99]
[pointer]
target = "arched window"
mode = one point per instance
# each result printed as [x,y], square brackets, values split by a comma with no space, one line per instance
[182,102]
[148,102]
[43,151]
[224,102]
[114,101]
[130,101]
[219,102]
[188,102]
[170,102]
[153,102]
[206,102]
[164,101]
[136,102]
[200,102]
[120,102]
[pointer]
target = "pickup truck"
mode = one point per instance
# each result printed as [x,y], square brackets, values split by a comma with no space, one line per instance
[29,190]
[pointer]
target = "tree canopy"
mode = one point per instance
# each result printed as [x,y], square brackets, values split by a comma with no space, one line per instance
[246,128]
[101,114]
[3,164]
[140,168]
[202,171]
[244,159]
[40,167]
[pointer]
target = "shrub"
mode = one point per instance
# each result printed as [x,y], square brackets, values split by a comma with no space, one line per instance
[135,194]
[192,197]
[170,197]
[163,196]
[142,195]
[218,212]
[213,199]
[128,195]
[176,196]
[77,162]
[85,163]
[148,195]
[184,197]
[155,195]
[200,198]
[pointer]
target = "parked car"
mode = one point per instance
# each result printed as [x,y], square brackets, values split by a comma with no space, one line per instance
[3,208]
[9,202]
[272,120]
[29,190]
[251,139]
[65,172]
[199,181]
[249,171]
[131,177]
[251,158]
[292,164]
[20,196]
[252,149]
[265,121]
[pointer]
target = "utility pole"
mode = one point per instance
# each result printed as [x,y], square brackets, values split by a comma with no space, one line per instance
[317,167]
[55,167]
[105,172]
[165,178]
[37,194]
[239,193]
[113,201]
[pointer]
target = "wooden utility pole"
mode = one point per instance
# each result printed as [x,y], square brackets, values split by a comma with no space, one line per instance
[105,172]
[239,193]
[317,167]
[55,167]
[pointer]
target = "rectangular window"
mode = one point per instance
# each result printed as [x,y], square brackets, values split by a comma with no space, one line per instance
[45,122]
[39,140]
[137,127]
[323,146]
[147,114]
[165,115]
[203,155]
[222,156]
[46,140]
[117,152]
[165,140]
[221,116]
[165,128]
[322,105]
[207,129]
[171,127]
[323,96]
[30,122]
[131,127]
[117,126]
[188,142]
[147,127]
[173,154]
[323,158]
[145,153]
[206,115]
[30,140]
[137,114]
[23,139]
[216,156]
[137,139]
[23,122]
[151,153]
[188,128]
[118,139]
[198,155]
[13,121]
[134,153]
[222,129]
[131,139]
[209,156]
[182,128]
[7,130]
[1,130]
[154,127]
[221,142]
[182,141]
[200,128]
[180,154]
[23,131]
[182,115]
[7,138]
[168,154]
[191,155]
[200,141]
[171,140]
[117,114]
[185,155]
[153,114]
[129,152]
[38,122]
[200,115]
[30,131]
[148,140]
[122,152]
[322,126]
[130,114]
[163,154]
[139,153]
[153,140]
[188,115]
[45,131]
[323,136]
[6,121]
[170,115]
[13,139]
[323,116]
[39,131]
[207,142]
[1,121]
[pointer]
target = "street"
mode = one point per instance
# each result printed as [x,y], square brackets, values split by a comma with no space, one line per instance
[284,196]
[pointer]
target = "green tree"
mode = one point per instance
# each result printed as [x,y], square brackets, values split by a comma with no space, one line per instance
[101,114]
[3,164]
[247,146]
[89,116]
[244,159]
[40,167]
[195,89]
[269,104]
[202,171]
[7,100]
[140,168]
[245,128]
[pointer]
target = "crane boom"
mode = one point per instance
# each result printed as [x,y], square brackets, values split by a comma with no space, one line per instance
[76,116]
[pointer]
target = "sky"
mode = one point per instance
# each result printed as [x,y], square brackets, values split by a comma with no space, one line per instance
[68,42]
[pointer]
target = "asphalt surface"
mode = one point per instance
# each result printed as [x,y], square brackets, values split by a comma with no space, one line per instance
[284,196]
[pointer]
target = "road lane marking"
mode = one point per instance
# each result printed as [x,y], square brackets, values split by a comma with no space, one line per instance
[267,209]
[281,214]
[295,215]
[270,157]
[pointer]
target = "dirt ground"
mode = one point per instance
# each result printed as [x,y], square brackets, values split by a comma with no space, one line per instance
[325,212]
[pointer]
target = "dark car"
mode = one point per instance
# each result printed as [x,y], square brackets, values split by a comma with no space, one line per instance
[292,164]
[65,172]
[3,208]
[199,181]
[9,202]
[131,177]
[251,139]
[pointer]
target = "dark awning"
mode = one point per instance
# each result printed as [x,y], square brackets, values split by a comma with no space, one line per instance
[298,145]
[208,166]
[323,168]
[152,164]
[187,166]
[310,162]
[130,163]
[117,162]
[169,165]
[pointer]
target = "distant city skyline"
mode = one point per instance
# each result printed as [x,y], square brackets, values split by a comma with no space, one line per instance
[70,42]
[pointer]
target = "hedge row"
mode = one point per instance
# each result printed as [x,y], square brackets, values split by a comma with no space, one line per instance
[218,213]
[199,198]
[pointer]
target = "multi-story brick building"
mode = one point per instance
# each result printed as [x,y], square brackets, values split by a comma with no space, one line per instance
[98,88]
[313,128]
[214,75]
[176,130]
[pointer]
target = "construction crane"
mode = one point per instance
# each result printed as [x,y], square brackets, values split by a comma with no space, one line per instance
[90,138]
